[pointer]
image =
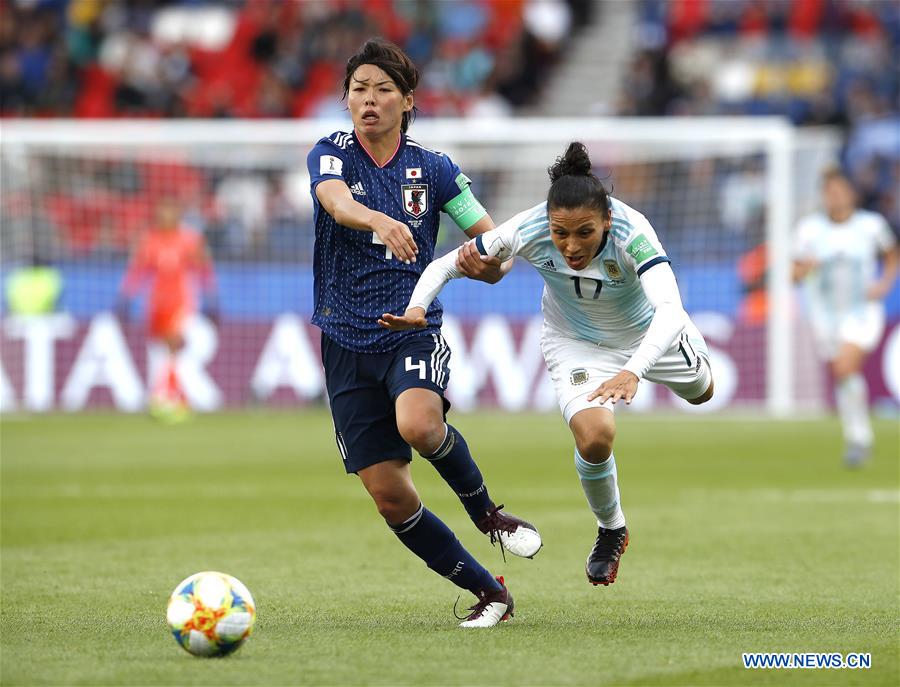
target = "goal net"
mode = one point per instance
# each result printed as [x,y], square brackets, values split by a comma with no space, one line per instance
[723,195]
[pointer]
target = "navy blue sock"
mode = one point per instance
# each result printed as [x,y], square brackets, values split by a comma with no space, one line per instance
[455,464]
[431,540]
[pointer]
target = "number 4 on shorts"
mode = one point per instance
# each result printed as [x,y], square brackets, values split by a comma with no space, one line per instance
[420,366]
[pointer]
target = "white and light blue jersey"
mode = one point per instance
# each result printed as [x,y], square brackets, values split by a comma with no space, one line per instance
[846,257]
[603,303]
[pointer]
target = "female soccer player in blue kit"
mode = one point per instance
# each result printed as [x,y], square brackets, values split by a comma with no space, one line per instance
[378,195]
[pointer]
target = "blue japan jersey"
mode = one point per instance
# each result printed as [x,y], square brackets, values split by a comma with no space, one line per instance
[356,278]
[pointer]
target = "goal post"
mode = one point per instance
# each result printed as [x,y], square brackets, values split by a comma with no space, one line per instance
[715,189]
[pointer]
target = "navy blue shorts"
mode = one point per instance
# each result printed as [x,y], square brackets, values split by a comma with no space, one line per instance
[363,387]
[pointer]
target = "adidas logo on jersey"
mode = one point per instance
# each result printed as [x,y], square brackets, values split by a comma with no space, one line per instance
[357,189]
[548,266]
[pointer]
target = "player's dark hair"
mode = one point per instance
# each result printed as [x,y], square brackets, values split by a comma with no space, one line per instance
[574,185]
[391,59]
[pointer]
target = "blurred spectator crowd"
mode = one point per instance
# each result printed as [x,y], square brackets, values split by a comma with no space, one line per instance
[232,59]
[826,62]
[816,61]
[266,58]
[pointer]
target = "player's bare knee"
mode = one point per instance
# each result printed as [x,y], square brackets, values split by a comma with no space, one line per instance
[395,505]
[422,432]
[597,445]
[394,512]
[842,368]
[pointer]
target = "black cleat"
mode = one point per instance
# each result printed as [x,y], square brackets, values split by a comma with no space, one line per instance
[603,563]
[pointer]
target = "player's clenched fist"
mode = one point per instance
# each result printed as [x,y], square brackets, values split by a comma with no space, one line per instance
[396,236]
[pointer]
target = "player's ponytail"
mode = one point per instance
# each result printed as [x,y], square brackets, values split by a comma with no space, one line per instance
[573,184]
[391,59]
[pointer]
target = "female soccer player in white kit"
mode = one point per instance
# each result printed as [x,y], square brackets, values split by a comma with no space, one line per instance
[837,252]
[612,316]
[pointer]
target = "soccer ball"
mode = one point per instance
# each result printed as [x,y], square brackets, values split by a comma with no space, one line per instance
[211,614]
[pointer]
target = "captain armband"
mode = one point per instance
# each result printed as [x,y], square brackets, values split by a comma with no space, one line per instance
[464,209]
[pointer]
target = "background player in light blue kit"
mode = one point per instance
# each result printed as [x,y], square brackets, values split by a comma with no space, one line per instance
[378,196]
[836,253]
[612,316]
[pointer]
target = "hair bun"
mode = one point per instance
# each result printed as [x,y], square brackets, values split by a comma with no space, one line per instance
[574,184]
[575,162]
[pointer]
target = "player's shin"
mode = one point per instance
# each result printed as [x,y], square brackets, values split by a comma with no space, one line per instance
[455,464]
[851,394]
[599,481]
[167,398]
[431,540]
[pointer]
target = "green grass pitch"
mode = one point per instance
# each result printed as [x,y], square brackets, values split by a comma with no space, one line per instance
[747,535]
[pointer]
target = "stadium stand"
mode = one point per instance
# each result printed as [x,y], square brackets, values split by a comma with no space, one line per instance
[817,62]
[264,58]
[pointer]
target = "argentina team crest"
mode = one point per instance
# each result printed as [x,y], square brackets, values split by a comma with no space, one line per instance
[613,271]
[415,199]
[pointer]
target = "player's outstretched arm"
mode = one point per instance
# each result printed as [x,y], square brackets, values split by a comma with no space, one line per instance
[335,197]
[491,244]
[438,273]
[433,279]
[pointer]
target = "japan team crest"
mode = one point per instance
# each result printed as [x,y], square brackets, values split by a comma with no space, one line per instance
[415,199]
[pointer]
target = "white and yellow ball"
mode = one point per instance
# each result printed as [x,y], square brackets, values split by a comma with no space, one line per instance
[211,614]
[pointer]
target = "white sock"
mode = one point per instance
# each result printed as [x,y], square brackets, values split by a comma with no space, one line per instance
[852,396]
[602,490]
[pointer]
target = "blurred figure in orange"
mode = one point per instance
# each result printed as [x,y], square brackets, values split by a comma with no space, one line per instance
[172,258]
[753,269]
